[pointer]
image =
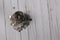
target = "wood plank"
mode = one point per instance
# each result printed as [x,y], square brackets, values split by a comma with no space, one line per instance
[45,20]
[39,10]
[2,22]
[53,19]
[57,2]
[10,7]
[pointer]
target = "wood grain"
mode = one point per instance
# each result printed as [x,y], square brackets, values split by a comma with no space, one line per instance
[52,6]
[2,22]
[40,27]
[45,16]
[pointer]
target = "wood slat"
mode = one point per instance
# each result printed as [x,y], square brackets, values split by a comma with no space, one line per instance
[39,12]
[57,4]
[45,20]
[53,19]
[2,22]
[9,6]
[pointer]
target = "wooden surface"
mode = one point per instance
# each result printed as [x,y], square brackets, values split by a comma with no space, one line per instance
[45,16]
[2,22]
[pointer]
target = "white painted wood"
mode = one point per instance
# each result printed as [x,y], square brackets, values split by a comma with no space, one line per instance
[45,20]
[57,11]
[52,6]
[58,16]
[39,10]
[2,22]
[45,16]
[11,33]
